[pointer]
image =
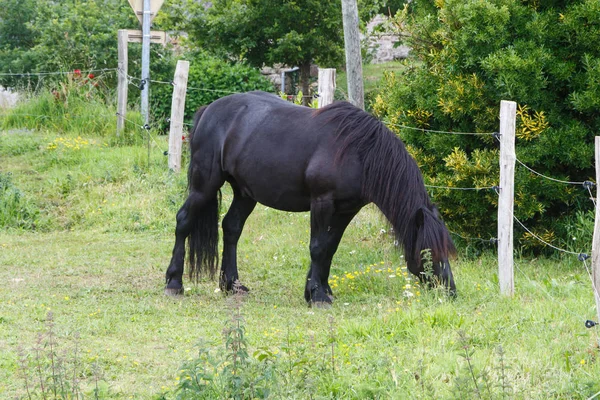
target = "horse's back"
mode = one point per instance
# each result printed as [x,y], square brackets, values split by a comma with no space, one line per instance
[280,154]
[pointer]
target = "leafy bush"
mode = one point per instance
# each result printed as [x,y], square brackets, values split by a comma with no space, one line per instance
[466,57]
[54,36]
[209,79]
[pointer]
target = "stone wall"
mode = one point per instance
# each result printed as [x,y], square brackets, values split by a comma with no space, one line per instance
[381,44]
[8,99]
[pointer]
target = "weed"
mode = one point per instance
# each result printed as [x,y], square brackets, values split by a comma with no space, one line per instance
[16,210]
[48,371]
[233,374]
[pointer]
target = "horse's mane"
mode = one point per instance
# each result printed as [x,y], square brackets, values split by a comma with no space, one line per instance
[391,178]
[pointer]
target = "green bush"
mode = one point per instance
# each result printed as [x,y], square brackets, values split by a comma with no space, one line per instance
[209,79]
[467,56]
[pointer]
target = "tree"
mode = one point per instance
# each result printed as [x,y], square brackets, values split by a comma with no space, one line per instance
[294,33]
[469,55]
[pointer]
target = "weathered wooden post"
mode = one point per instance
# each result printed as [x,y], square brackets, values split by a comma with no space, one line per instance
[353,56]
[122,79]
[177,111]
[596,239]
[326,86]
[508,112]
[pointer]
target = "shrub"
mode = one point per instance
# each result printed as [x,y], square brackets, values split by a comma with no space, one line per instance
[466,57]
[209,79]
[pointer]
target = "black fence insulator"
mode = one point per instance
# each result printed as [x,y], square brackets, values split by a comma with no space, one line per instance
[168,119]
[496,135]
[142,84]
[582,257]
[588,185]
[495,188]
[590,324]
[172,83]
[166,153]
[494,241]
[146,127]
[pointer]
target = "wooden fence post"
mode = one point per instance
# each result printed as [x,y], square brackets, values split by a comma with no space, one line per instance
[596,240]
[353,57]
[326,86]
[177,111]
[506,197]
[123,84]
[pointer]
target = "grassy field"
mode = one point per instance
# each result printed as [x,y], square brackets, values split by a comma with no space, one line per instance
[86,231]
[372,75]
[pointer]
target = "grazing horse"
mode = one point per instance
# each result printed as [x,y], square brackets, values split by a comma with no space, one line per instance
[331,162]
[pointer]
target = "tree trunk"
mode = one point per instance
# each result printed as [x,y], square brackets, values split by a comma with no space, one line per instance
[305,82]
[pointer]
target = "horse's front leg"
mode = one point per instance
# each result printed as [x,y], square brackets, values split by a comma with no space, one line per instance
[233,224]
[327,228]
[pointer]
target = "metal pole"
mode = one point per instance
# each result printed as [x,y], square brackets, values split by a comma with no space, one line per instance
[145,84]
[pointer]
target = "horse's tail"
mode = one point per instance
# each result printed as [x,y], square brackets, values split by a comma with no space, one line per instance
[193,131]
[203,240]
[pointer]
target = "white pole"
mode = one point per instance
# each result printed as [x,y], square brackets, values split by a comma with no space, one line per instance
[145,59]
[177,111]
[596,239]
[326,86]
[506,197]
[353,56]
[122,82]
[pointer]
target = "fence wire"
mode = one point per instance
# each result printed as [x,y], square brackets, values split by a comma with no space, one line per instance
[437,131]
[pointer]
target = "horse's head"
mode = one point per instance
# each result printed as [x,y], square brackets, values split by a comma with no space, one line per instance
[428,247]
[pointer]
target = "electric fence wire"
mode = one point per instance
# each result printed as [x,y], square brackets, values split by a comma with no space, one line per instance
[552,298]
[30,74]
[539,238]
[436,131]
[144,128]
[589,272]
[491,241]
[8,115]
[548,177]
[581,256]
[461,188]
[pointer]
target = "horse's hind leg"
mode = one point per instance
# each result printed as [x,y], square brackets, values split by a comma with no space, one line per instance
[233,223]
[186,217]
[197,217]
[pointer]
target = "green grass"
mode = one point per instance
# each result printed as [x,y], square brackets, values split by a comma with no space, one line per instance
[98,241]
[372,75]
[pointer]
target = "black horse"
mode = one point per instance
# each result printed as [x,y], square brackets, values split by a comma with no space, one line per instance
[331,162]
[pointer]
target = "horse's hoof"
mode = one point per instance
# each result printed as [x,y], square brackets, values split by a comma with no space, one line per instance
[174,292]
[240,289]
[323,305]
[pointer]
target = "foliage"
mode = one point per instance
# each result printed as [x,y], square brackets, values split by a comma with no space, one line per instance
[297,33]
[55,36]
[209,78]
[466,57]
